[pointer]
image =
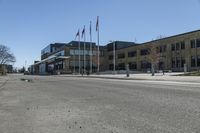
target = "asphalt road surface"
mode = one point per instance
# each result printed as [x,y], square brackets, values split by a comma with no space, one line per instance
[85,105]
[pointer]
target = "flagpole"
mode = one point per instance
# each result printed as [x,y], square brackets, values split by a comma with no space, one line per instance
[98,43]
[84,51]
[91,47]
[79,56]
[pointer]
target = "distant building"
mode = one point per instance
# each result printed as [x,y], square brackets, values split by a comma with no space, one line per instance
[64,58]
[50,49]
[175,53]
[4,69]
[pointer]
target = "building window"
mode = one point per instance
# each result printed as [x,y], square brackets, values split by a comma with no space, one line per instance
[162,48]
[157,49]
[192,43]
[173,47]
[111,66]
[198,43]
[121,66]
[120,56]
[161,65]
[132,65]
[177,46]
[198,60]
[178,62]
[145,65]
[193,64]
[110,57]
[173,63]
[132,54]
[144,52]
[182,45]
[101,54]
[182,62]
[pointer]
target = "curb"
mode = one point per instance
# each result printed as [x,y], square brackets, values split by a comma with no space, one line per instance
[127,78]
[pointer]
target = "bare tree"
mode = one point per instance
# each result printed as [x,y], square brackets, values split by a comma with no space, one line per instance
[153,57]
[6,57]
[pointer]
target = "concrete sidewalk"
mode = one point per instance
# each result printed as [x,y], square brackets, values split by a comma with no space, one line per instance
[157,77]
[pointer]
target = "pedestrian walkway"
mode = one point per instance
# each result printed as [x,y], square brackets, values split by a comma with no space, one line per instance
[144,76]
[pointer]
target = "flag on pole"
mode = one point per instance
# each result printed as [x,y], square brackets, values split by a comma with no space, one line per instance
[77,34]
[83,32]
[90,46]
[97,24]
[90,28]
[97,30]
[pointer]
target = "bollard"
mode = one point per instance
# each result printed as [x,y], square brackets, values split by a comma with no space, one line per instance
[127,70]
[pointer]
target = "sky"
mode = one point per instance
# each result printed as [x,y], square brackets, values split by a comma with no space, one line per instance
[27,26]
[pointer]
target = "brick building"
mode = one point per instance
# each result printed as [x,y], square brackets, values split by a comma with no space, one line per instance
[173,52]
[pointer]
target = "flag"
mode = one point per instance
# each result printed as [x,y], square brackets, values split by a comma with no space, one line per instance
[83,32]
[97,24]
[77,34]
[90,28]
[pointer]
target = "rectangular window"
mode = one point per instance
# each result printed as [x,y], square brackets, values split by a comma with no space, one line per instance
[173,47]
[161,65]
[198,43]
[132,65]
[157,49]
[173,63]
[101,54]
[162,48]
[182,45]
[182,62]
[121,66]
[193,64]
[145,65]
[178,62]
[177,46]
[198,60]
[111,66]
[110,57]
[132,54]
[120,56]
[144,52]
[192,43]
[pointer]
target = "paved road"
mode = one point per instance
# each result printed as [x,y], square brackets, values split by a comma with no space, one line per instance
[81,105]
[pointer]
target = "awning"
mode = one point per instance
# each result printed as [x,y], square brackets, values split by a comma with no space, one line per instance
[63,57]
[51,58]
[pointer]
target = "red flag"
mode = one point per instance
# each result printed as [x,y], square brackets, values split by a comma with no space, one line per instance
[83,32]
[97,24]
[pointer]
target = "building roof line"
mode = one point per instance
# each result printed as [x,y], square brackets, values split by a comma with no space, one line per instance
[182,34]
[177,35]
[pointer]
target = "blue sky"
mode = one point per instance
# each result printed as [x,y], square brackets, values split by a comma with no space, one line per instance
[27,26]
